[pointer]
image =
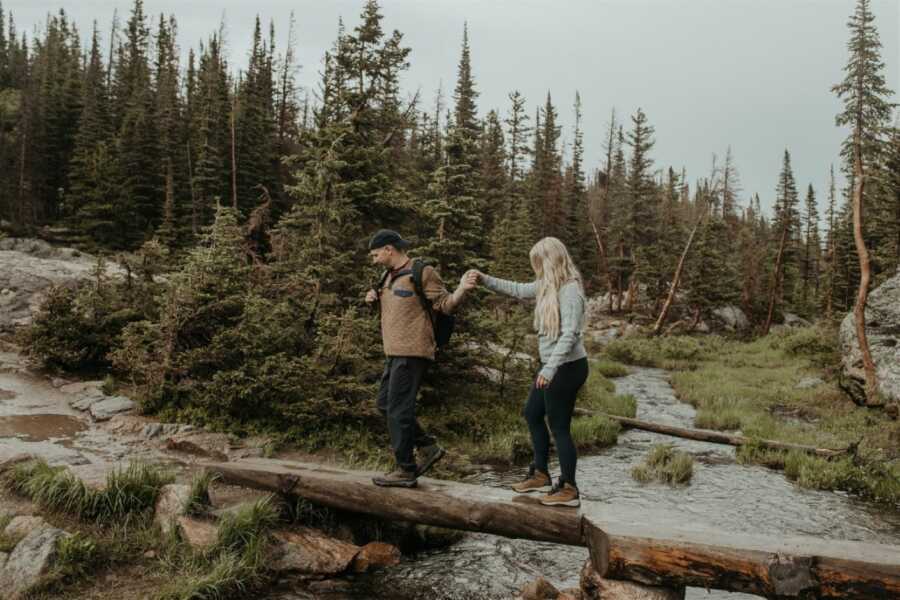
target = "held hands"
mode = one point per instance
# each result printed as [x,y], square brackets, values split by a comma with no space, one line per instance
[541,382]
[469,280]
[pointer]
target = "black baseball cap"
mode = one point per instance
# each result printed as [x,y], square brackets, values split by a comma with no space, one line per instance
[387,237]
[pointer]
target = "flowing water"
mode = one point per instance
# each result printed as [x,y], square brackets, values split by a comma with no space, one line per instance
[723,495]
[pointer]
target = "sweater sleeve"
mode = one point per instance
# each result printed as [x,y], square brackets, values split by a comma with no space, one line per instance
[441,299]
[510,288]
[571,315]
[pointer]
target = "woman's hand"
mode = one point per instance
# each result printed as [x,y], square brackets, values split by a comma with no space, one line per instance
[541,382]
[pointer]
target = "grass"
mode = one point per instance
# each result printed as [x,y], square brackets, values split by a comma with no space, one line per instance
[750,387]
[665,465]
[234,566]
[128,492]
[198,501]
[7,542]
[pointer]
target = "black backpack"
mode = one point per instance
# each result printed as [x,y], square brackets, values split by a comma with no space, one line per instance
[443,324]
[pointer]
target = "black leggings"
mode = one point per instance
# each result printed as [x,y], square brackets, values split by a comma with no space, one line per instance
[557,403]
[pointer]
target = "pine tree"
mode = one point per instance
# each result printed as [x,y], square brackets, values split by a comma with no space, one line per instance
[139,180]
[786,227]
[91,197]
[809,268]
[867,111]
[465,113]
[580,237]
[546,176]
[643,204]
[255,128]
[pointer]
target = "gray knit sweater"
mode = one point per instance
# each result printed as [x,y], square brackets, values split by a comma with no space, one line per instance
[569,345]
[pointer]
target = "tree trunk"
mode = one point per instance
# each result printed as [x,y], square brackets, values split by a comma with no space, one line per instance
[675,280]
[604,263]
[234,202]
[859,309]
[776,283]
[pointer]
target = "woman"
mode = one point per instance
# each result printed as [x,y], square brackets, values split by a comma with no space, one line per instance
[558,319]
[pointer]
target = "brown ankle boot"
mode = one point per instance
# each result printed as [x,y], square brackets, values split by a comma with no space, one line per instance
[537,481]
[562,494]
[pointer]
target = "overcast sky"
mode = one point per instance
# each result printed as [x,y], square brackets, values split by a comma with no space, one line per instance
[752,74]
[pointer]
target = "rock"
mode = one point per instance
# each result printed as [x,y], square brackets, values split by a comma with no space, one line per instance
[539,589]
[86,401]
[28,267]
[198,533]
[19,526]
[151,430]
[570,594]
[170,505]
[30,559]
[376,555]
[308,551]
[809,382]
[14,460]
[732,318]
[81,388]
[594,587]
[105,409]
[601,337]
[883,334]
[792,320]
[330,586]
[195,448]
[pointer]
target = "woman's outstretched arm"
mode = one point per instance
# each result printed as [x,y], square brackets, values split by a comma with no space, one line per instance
[510,288]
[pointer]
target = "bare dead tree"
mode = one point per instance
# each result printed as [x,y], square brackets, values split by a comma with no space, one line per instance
[676,279]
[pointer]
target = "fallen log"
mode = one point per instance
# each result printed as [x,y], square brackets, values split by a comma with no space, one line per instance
[433,502]
[648,554]
[714,437]
[768,567]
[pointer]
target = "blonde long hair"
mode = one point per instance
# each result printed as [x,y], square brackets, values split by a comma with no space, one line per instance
[554,267]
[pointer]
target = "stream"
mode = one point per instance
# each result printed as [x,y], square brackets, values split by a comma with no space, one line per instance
[723,495]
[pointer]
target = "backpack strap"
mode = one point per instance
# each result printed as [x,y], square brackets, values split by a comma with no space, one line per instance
[418,267]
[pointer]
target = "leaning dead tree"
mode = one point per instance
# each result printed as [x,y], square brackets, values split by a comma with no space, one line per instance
[676,279]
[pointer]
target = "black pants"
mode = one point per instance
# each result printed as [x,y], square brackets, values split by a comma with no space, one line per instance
[557,403]
[397,401]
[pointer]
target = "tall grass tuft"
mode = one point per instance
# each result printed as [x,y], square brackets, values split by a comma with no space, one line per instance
[665,465]
[128,492]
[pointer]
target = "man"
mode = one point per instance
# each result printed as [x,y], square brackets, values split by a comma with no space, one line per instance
[409,345]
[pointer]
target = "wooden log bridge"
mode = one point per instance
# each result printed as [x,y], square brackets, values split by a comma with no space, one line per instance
[771,567]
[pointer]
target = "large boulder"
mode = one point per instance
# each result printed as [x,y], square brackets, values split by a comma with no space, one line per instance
[28,267]
[731,318]
[883,334]
[31,559]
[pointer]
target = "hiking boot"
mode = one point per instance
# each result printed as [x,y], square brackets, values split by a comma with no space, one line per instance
[537,481]
[562,494]
[430,455]
[396,478]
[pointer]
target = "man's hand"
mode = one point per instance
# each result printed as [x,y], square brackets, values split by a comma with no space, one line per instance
[372,296]
[541,382]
